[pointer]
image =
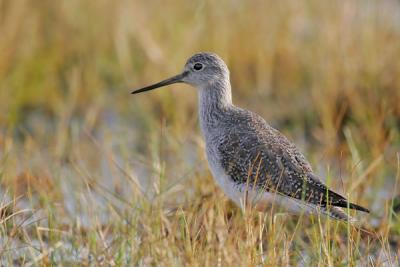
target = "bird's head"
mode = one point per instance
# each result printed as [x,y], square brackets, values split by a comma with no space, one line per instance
[200,70]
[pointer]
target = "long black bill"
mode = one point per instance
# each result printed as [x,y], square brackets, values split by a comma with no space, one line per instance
[176,79]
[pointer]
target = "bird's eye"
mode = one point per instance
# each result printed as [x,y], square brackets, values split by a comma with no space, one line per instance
[197,66]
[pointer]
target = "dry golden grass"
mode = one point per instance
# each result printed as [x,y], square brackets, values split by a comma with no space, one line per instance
[92,175]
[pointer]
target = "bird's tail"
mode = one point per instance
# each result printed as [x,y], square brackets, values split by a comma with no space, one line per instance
[338,214]
[344,204]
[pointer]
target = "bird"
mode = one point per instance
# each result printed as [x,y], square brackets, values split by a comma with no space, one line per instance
[253,163]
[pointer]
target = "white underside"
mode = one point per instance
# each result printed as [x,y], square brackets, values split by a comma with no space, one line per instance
[245,195]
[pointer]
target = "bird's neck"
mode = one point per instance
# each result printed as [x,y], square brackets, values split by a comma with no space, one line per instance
[215,98]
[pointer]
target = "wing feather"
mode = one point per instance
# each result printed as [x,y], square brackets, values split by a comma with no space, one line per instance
[259,155]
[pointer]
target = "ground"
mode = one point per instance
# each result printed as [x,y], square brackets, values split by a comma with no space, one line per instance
[90,174]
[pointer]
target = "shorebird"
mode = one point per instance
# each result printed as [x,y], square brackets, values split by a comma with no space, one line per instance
[253,163]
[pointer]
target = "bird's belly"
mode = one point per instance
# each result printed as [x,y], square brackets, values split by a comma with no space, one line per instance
[230,188]
[246,196]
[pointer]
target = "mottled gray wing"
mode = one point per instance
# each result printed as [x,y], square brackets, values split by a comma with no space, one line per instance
[254,153]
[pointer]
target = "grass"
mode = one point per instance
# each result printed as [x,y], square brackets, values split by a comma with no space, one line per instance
[91,175]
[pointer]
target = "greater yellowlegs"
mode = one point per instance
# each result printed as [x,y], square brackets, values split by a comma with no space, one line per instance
[252,162]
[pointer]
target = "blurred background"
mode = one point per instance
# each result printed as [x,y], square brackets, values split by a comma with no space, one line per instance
[80,157]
